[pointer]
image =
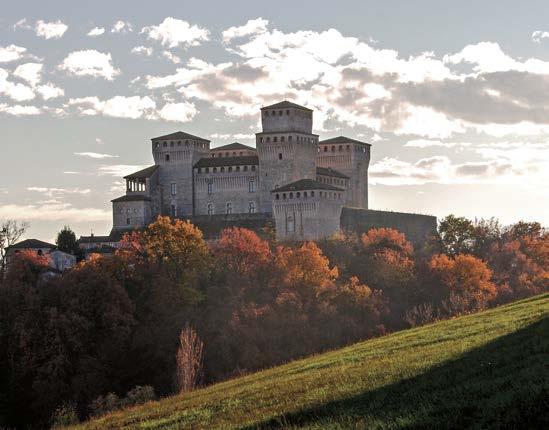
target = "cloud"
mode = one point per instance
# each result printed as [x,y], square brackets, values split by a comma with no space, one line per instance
[50,91]
[90,63]
[30,72]
[54,211]
[19,110]
[95,155]
[16,91]
[174,32]
[173,58]
[538,36]
[51,192]
[178,112]
[252,27]
[119,170]
[424,143]
[96,31]
[119,106]
[122,27]
[142,50]
[11,53]
[50,30]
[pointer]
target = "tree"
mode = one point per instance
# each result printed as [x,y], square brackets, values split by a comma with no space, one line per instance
[190,358]
[522,229]
[463,281]
[457,235]
[66,241]
[10,232]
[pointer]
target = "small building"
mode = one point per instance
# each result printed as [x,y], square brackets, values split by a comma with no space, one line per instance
[57,260]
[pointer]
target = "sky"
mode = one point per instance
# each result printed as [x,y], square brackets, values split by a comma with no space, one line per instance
[453,96]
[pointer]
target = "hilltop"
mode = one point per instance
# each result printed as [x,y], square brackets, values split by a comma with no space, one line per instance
[483,370]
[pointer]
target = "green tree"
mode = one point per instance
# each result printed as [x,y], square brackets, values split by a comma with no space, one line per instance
[457,235]
[66,241]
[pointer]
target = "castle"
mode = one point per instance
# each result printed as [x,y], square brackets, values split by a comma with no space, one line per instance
[310,188]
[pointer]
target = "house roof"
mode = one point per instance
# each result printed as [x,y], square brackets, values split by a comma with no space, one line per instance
[284,105]
[248,160]
[306,184]
[132,198]
[32,244]
[328,171]
[94,239]
[233,146]
[342,139]
[179,135]
[143,174]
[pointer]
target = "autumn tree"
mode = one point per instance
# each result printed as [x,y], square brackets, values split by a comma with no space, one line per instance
[190,360]
[462,282]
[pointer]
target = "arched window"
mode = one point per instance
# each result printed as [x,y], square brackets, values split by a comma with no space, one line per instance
[210,208]
[210,187]
[167,158]
[229,208]
[251,207]
[280,156]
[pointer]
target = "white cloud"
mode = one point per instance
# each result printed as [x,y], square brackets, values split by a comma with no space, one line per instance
[96,31]
[11,53]
[89,63]
[178,112]
[488,57]
[95,155]
[121,27]
[17,92]
[30,72]
[174,32]
[119,170]
[425,143]
[118,106]
[52,191]
[50,30]
[19,110]
[427,122]
[22,23]
[253,26]
[142,50]
[173,58]
[50,91]
[54,211]
[538,35]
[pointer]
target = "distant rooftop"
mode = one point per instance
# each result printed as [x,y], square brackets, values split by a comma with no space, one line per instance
[284,105]
[32,244]
[131,198]
[232,147]
[245,160]
[143,174]
[306,184]
[343,139]
[328,171]
[179,135]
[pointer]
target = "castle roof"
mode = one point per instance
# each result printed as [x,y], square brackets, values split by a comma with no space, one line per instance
[179,135]
[328,171]
[249,160]
[131,198]
[306,184]
[286,104]
[94,239]
[342,139]
[32,244]
[143,174]
[233,146]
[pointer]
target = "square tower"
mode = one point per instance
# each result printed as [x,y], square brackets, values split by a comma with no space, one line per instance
[286,148]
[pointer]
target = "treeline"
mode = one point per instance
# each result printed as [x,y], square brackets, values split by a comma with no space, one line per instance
[106,334]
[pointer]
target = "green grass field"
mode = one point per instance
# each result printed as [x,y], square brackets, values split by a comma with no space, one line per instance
[488,370]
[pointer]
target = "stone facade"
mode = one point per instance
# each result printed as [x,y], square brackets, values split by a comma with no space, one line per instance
[291,177]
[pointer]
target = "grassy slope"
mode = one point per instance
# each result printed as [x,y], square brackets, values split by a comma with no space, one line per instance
[485,370]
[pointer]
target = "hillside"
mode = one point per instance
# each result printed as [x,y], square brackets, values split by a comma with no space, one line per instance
[485,370]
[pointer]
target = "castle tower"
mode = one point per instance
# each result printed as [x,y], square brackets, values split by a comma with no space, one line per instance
[176,154]
[352,158]
[286,148]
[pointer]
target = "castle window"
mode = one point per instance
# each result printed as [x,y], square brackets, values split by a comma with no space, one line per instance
[283,196]
[253,168]
[274,113]
[215,169]
[312,193]
[240,153]
[186,143]
[238,168]
[167,158]
[207,170]
[347,148]
[245,168]
[277,196]
[128,221]
[222,169]
[230,169]
[288,112]
[280,156]
[291,195]
[282,138]
[178,143]
[128,211]
[165,144]
[172,143]
[157,145]
[251,207]
[210,209]
[199,170]
[297,195]
[210,187]
[333,148]
[275,139]
[173,188]
[229,208]
[251,186]
[268,139]
[280,113]
[340,148]
[266,113]
[305,194]
[260,140]
[174,211]
[289,138]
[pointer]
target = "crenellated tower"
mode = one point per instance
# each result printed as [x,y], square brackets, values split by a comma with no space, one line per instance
[286,148]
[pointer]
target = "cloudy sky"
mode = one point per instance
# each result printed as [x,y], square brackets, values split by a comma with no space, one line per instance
[454,96]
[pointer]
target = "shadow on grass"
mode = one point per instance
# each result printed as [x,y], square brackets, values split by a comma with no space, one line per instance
[503,384]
